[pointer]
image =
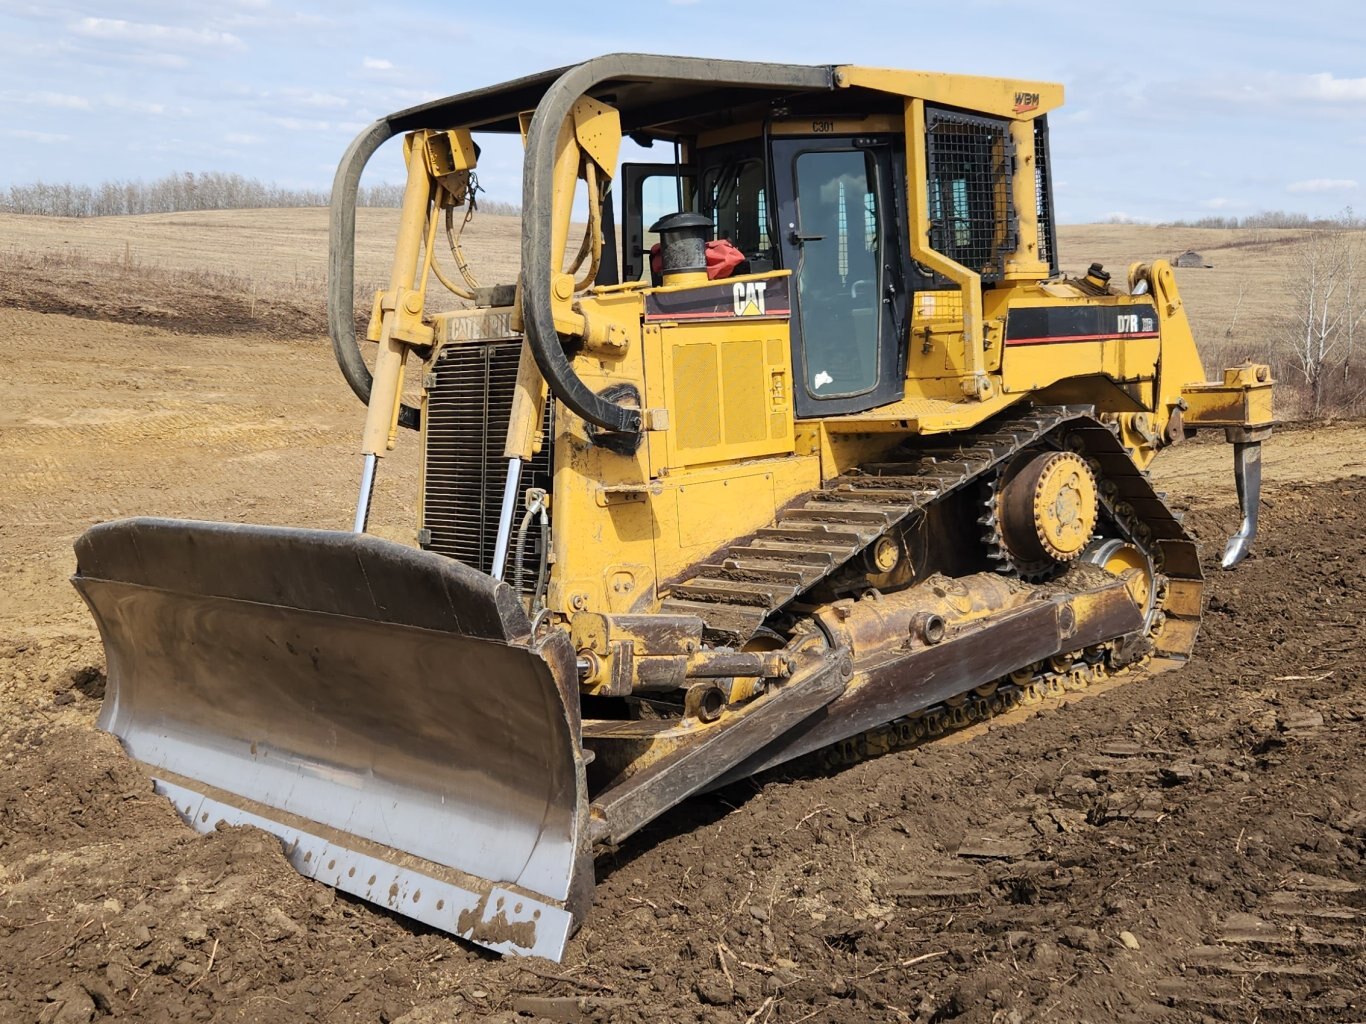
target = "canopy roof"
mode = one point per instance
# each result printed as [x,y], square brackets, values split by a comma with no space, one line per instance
[656,95]
[679,96]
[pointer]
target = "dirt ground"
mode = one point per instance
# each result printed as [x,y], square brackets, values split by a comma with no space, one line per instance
[1187,847]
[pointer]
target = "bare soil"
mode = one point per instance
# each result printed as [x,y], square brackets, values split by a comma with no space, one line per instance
[1186,847]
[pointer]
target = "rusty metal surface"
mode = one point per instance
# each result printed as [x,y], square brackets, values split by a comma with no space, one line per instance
[643,796]
[345,681]
[893,684]
[816,536]
[738,587]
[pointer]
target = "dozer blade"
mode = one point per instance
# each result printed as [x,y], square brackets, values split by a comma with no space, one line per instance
[384,711]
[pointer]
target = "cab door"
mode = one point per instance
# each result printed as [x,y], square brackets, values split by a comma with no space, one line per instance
[838,212]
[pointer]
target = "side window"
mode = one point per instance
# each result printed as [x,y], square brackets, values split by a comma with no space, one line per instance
[735,194]
[649,191]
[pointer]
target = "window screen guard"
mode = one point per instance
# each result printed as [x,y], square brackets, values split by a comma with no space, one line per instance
[970,161]
[1043,195]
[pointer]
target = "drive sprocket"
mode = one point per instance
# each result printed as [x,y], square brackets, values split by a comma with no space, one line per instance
[1041,511]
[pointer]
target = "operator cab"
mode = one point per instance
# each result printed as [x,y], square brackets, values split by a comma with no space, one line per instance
[824,207]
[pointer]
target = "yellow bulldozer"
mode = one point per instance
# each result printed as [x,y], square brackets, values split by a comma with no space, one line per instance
[807,448]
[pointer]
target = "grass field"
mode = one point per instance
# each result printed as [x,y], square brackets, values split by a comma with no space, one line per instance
[274,262]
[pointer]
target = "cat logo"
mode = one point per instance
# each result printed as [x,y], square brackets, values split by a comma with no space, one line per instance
[749,298]
[1026,101]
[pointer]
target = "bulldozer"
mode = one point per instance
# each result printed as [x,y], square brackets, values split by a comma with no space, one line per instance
[805,448]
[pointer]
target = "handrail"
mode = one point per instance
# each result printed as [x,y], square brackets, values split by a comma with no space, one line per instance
[553,107]
[546,343]
[341,264]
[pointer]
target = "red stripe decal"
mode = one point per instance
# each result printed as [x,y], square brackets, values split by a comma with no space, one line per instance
[718,315]
[1080,337]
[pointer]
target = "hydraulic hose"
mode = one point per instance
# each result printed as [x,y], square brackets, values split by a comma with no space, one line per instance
[341,276]
[552,107]
[545,342]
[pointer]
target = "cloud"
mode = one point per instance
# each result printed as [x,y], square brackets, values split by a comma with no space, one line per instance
[305,124]
[62,100]
[377,64]
[396,98]
[42,137]
[132,106]
[1324,86]
[242,139]
[1219,203]
[1271,87]
[146,33]
[311,98]
[1322,185]
[169,61]
[109,101]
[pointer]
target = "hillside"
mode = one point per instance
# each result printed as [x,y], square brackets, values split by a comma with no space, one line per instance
[288,249]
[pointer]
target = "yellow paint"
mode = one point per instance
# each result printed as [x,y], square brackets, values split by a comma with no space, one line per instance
[1065,505]
[727,388]
[1242,399]
[975,382]
[998,97]
[722,451]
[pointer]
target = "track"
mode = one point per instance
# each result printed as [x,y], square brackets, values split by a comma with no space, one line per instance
[745,584]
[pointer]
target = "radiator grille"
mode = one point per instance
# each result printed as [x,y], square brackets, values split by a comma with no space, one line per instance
[971,220]
[469,403]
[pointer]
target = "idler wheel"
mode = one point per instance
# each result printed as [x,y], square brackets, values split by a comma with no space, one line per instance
[1129,563]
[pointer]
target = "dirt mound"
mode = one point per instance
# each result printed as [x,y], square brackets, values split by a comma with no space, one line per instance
[186,302]
[1186,847]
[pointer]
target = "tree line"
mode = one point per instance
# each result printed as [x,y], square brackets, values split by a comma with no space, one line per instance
[1273,219]
[182,191]
[1325,322]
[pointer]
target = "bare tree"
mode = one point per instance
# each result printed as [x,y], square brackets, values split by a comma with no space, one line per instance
[1352,285]
[1327,312]
[1237,307]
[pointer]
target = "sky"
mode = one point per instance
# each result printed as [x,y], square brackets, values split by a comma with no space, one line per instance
[1173,110]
